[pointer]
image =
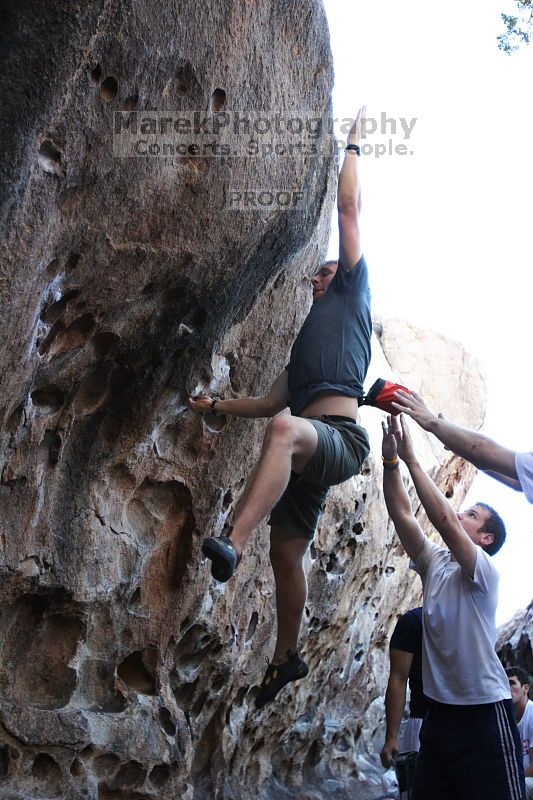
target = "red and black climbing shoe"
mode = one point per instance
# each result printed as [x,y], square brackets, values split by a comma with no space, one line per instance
[381,395]
[223,556]
[277,675]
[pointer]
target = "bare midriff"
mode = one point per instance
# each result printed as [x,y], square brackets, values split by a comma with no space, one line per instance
[332,404]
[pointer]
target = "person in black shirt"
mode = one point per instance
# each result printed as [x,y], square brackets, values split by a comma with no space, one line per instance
[405,654]
[318,444]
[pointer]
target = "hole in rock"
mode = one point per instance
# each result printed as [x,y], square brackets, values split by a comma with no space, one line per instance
[49,157]
[149,289]
[241,695]
[98,388]
[72,261]
[227,500]
[44,768]
[167,723]
[389,570]
[96,73]
[62,340]
[184,78]
[194,646]
[448,493]
[172,296]
[103,343]
[160,775]
[109,88]
[214,422]
[131,102]
[47,400]
[106,764]
[136,597]
[219,682]
[137,671]
[162,511]
[50,448]
[52,312]
[312,552]
[252,625]
[197,708]
[218,100]
[357,528]
[52,267]
[76,768]
[184,694]
[334,566]
[96,685]
[4,761]
[38,646]
[131,774]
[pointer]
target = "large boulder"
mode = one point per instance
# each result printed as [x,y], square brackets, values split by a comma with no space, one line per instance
[127,283]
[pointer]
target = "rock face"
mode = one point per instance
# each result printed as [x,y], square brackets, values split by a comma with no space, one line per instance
[127,284]
[515,640]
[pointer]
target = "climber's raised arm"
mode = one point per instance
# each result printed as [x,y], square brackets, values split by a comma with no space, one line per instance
[349,197]
[266,406]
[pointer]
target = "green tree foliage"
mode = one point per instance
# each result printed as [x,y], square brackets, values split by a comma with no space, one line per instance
[518,29]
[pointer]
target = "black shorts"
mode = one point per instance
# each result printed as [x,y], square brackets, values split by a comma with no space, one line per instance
[340,452]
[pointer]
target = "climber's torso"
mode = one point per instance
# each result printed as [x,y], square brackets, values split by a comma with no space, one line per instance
[330,356]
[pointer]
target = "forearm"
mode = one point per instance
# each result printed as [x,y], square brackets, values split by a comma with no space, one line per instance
[396,497]
[475,447]
[349,188]
[394,707]
[251,407]
[440,512]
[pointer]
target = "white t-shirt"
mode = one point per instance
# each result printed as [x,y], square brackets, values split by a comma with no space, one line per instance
[525,729]
[524,470]
[459,663]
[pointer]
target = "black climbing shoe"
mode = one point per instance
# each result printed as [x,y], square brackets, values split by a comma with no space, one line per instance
[277,675]
[223,555]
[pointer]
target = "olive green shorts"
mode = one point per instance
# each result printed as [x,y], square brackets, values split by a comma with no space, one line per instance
[341,450]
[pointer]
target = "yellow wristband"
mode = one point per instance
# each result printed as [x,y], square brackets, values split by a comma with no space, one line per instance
[390,461]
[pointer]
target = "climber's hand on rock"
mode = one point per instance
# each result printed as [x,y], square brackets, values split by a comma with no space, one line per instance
[358,127]
[389,751]
[201,404]
[391,430]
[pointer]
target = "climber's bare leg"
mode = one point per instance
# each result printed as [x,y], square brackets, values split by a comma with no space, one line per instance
[288,445]
[286,557]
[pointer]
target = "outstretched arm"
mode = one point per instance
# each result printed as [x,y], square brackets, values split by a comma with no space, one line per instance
[440,513]
[267,406]
[477,448]
[349,199]
[400,667]
[396,497]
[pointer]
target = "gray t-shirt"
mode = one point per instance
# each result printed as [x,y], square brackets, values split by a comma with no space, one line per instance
[459,663]
[524,470]
[332,350]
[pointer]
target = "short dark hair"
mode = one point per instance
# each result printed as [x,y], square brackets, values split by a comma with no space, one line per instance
[518,672]
[493,525]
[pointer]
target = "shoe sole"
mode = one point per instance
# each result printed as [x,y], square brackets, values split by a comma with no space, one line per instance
[221,570]
[289,680]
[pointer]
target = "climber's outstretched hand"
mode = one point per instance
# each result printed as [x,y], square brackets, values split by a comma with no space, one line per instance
[201,404]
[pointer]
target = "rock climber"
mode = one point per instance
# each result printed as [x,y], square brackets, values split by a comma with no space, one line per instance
[319,443]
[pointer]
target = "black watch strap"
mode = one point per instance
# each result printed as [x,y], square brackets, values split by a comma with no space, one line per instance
[353,147]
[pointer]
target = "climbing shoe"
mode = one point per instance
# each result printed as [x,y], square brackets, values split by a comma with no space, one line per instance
[277,675]
[381,395]
[223,556]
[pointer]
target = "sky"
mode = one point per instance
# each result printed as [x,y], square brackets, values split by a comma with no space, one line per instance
[447,225]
